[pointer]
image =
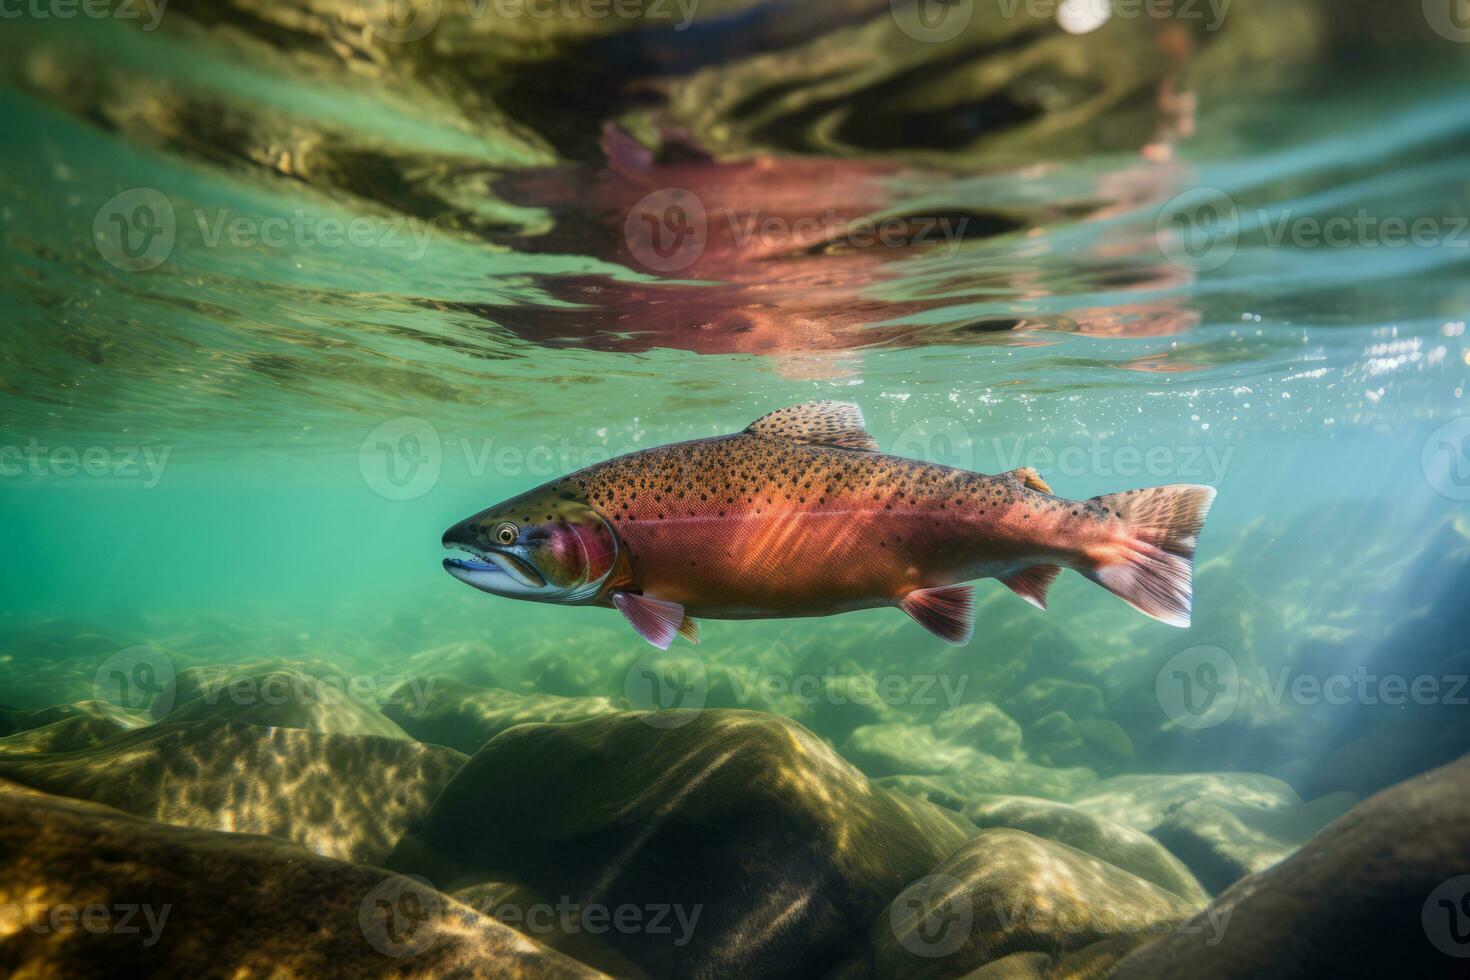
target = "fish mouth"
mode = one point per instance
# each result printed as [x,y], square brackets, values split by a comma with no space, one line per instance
[497,572]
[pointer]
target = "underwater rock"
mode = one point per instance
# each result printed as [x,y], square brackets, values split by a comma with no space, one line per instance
[13,722]
[783,851]
[1379,893]
[315,700]
[903,749]
[573,931]
[344,796]
[444,712]
[985,775]
[1123,847]
[473,662]
[1042,697]
[70,735]
[99,892]
[1008,892]
[1142,801]
[1056,740]
[1223,840]
[982,726]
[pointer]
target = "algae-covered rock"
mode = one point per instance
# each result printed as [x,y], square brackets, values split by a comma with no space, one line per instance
[70,735]
[279,697]
[1381,892]
[985,775]
[981,726]
[13,721]
[1223,840]
[1124,847]
[1142,801]
[784,851]
[95,892]
[1008,892]
[462,717]
[899,749]
[346,796]
[1042,697]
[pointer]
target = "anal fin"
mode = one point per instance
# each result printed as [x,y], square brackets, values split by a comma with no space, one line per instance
[947,611]
[1032,583]
[655,620]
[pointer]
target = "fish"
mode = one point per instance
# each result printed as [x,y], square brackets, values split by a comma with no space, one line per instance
[800,514]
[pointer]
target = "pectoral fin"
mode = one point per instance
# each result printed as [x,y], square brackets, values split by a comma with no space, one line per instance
[656,621]
[948,612]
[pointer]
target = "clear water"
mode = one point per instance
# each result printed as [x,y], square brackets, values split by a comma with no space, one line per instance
[250,450]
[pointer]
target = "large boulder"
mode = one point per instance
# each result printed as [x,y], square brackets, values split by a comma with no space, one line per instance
[94,892]
[1143,801]
[462,717]
[1382,892]
[1006,893]
[345,796]
[13,721]
[784,851]
[1224,840]
[278,697]
[1123,847]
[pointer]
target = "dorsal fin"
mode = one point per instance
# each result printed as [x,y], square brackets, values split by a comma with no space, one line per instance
[817,424]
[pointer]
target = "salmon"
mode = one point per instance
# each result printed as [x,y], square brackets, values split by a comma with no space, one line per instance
[800,514]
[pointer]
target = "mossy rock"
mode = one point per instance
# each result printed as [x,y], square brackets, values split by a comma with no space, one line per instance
[345,796]
[788,850]
[201,903]
[445,712]
[1008,892]
[280,697]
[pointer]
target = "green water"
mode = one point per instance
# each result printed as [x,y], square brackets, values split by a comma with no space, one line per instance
[247,450]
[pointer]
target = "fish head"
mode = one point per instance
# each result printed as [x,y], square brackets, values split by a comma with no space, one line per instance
[542,546]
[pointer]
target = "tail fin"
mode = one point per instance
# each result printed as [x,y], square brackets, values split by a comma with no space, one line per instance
[1150,564]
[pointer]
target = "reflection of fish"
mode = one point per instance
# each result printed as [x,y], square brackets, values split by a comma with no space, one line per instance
[800,515]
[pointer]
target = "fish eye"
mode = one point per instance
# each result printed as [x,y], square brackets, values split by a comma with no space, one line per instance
[507,533]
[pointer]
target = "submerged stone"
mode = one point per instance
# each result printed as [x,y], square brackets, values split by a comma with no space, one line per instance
[462,717]
[95,892]
[783,851]
[344,796]
[1007,892]
[1380,892]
